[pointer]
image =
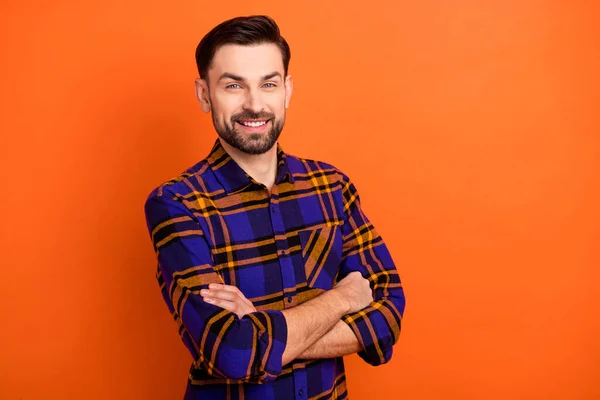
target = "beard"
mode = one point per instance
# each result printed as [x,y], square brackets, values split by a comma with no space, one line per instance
[253,143]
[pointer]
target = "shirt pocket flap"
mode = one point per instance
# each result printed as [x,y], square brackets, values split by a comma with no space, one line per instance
[321,250]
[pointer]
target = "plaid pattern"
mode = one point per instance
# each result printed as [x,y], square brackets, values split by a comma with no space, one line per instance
[215,223]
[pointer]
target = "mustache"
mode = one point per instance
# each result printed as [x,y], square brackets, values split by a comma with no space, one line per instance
[251,115]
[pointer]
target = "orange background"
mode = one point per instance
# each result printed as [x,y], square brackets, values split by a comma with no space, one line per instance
[471,129]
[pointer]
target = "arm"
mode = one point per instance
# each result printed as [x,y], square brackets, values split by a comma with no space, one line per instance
[306,325]
[338,342]
[251,348]
[213,336]
[377,327]
[309,321]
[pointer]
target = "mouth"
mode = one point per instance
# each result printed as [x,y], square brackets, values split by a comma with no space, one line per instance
[253,125]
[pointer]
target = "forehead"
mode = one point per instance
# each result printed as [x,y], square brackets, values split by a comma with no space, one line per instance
[247,61]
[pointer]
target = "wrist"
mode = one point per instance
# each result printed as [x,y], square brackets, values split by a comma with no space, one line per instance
[340,301]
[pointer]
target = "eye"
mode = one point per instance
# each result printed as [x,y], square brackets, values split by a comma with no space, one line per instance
[272,85]
[231,86]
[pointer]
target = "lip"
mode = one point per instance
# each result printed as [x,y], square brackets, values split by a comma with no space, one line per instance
[252,129]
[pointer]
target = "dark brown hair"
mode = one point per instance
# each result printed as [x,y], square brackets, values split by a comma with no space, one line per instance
[251,30]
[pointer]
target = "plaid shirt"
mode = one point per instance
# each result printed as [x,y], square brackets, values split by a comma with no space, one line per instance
[215,223]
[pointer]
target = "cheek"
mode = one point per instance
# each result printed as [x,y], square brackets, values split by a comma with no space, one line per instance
[280,110]
[277,106]
[225,105]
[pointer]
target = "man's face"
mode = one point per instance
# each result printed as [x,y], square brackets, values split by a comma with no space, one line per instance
[247,94]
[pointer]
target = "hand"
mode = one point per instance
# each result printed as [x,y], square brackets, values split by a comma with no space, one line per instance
[228,297]
[355,290]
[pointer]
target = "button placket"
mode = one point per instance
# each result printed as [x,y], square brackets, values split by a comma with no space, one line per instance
[283,253]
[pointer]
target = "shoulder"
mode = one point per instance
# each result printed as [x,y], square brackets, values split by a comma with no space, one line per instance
[195,180]
[307,168]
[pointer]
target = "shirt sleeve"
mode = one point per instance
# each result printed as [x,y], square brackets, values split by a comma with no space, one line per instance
[250,348]
[377,326]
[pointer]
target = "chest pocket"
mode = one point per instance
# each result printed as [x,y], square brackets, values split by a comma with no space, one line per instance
[321,255]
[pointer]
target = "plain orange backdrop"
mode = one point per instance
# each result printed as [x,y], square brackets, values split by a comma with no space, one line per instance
[471,129]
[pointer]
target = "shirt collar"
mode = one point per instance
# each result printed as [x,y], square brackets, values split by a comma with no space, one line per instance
[233,178]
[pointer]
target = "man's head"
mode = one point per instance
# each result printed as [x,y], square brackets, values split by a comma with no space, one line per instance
[243,65]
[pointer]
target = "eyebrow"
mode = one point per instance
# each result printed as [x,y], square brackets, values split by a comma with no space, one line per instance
[227,75]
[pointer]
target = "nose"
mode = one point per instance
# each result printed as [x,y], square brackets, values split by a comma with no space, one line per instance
[253,101]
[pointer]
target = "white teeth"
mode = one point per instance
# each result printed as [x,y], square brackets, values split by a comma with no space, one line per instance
[254,124]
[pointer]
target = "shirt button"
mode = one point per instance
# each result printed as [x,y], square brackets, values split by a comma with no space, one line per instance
[289,299]
[300,392]
[273,208]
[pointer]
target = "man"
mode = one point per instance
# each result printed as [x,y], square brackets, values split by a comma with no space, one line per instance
[266,260]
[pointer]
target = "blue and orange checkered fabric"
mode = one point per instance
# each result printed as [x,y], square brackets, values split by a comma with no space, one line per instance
[280,247]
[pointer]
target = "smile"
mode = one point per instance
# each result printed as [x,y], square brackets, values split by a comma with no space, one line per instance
[253,124]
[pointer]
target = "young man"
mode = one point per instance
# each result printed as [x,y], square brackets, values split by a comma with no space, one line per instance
[266,260]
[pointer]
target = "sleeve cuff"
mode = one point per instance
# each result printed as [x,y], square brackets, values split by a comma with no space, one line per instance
[374,351]
[272,340]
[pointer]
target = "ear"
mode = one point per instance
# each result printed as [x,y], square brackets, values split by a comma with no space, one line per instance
[202,94]
[289,88]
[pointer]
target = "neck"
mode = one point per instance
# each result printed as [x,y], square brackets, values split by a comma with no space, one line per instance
[261,167]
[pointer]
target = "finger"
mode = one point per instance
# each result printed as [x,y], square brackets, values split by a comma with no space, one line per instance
[220,286]
[228,296]
[239,309]
[227,305]
[232,289]
[220,294]
[217,287]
